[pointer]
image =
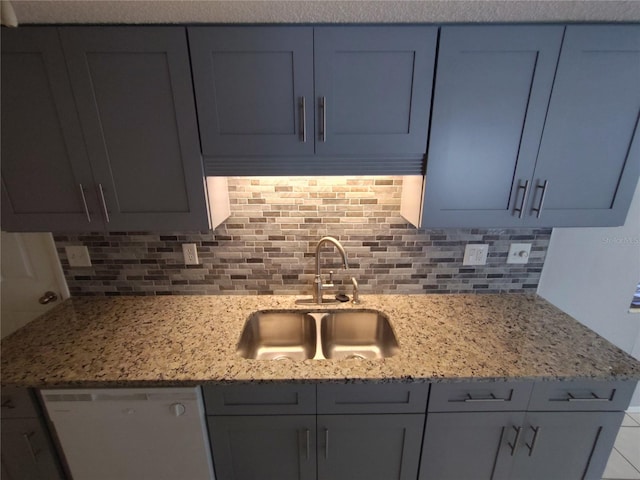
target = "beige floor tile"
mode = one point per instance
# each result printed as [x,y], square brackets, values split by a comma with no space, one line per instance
[628,444]
[619,469]
[629,421]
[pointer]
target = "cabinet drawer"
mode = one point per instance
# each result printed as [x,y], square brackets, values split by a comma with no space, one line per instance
[260,399]
[18,403]
[481,396]
[582,395]
[365,398]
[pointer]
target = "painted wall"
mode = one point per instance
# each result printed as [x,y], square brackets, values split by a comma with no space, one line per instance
[591,273]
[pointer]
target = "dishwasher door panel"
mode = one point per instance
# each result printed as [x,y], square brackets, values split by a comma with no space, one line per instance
[131,434]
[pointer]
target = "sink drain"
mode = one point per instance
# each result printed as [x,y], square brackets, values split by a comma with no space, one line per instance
[282,357]
[355,356]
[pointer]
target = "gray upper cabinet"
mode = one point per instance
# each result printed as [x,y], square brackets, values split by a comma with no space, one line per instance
[373,89]
[99,130]
[305,100]
[254,88]
[135,101]
[589,157]
[491,94]
[523,135]
[45,172]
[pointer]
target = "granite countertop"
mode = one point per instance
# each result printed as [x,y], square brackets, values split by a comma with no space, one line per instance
[152,341]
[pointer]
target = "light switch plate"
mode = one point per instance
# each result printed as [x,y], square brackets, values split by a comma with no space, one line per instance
[78,256]
[519,253]
[475,254]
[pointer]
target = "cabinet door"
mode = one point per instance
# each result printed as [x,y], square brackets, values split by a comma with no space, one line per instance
[250,83]
[45,171]
[590,152]
[26,451]
[566,446]
[492,89]
[134,95]
[373,90]
[470,445]
[369,447]
[263,447]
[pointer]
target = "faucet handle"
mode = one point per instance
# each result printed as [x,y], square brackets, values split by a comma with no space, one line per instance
[331,277]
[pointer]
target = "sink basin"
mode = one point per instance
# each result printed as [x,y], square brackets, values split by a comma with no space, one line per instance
[278,336]
[363,334]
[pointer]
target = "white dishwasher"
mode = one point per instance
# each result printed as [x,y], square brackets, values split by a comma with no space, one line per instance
[132,434]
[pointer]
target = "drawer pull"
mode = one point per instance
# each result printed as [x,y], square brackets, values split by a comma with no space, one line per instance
[515,440]
[536,431]
[592,398]
[8,403]
[490,398]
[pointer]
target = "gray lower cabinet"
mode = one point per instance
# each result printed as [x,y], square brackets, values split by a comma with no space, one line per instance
[26,451]
[534,126]
[565,445]
[280,431]
[313,100]
[518,445]
[102,130]
[369,447]
[470,445]
[559,431]
[263,447]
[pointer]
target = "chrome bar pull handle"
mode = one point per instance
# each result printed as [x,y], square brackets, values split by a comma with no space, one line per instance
[323,119]
[542,195]
[490,398]
[536,431]
[27,439]
[303,120]
[307,443]
[326,444]
[515,440]
[592,398]
[104,203]
[84,203]
[525,187]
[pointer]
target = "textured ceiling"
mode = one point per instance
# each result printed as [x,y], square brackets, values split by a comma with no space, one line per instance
[322,11]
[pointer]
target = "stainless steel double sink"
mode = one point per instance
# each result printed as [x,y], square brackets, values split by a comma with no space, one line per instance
[301,335]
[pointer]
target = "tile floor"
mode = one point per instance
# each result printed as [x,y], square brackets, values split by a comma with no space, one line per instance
[624,462]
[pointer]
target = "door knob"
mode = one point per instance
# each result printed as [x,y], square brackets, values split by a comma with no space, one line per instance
[48,297]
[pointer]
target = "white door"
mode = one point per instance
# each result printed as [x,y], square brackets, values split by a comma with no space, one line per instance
[29,268]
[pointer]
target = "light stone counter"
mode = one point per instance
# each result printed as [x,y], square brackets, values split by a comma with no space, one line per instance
[169,340]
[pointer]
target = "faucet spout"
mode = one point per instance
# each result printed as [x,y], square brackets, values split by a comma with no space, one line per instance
[338,246]
[319,286]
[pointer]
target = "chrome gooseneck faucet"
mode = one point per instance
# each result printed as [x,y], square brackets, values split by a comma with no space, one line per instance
[318,284]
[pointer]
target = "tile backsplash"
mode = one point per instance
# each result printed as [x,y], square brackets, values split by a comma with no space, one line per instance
[267,246]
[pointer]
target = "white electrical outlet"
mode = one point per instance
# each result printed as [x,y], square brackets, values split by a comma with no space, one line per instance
[78,256]
[475,254]
[519,253]
[190,253]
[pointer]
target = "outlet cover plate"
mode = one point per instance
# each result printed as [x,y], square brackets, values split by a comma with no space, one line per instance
[475,254]
[519,253]
[190,253]
[78,256]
